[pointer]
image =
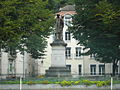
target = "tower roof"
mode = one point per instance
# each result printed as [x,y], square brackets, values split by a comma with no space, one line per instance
[68,8]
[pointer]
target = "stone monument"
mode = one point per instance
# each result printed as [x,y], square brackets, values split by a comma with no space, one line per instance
[58,64]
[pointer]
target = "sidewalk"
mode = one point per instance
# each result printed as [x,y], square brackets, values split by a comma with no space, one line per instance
[55,87]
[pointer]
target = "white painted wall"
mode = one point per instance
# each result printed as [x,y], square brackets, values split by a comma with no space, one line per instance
[4,63]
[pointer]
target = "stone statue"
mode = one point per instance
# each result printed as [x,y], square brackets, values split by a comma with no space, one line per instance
[59,27]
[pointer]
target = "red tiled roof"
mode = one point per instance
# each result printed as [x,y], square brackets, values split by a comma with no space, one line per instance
[66,12]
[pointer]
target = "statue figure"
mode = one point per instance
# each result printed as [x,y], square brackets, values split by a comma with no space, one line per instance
[59,27]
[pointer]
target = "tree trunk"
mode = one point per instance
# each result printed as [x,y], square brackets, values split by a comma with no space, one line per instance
[114,67]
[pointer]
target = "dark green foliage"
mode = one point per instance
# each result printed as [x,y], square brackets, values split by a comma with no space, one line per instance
[96,26]
[35,45]
[55,5]
[27,19]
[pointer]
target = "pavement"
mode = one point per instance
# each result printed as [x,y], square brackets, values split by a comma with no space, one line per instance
[55,87]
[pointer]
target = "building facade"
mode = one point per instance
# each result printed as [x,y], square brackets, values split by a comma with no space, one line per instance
[18,66]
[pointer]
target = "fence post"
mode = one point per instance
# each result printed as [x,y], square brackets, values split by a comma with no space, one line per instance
[20,83]
[111,82]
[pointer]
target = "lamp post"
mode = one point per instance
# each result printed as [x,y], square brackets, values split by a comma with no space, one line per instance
[23,46]
[23,62]
[119,64]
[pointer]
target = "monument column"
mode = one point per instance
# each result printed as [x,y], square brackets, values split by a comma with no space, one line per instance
[58,64]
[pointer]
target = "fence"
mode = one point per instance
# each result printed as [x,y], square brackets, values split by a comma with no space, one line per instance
[72,77]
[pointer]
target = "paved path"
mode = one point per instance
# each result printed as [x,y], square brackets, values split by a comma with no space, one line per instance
[55,87]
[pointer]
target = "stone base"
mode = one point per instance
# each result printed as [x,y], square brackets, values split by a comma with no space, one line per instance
[58,72]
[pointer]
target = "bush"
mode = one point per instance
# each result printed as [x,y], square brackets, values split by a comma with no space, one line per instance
[108,82]
[94,82]
[40,76]
[102,83]
[87,82]
[65,83]
[45,82]
[57,82]
[30,82]
[76,82]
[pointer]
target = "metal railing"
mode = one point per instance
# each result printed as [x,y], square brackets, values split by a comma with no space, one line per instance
[73,76]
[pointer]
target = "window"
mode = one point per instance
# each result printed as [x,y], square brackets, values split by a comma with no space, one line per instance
[69,67]
[93,69]
[101,69]
[80,69]
[67,19]
[78,52]
[92,56]
[10,67]
[68,52]
[67,36]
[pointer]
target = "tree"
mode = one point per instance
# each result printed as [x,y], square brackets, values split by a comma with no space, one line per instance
[34,45]
[96,26]
[55,5]
[27,19]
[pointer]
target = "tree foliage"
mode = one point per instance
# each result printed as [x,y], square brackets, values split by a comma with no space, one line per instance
[27,19]
[96,26]
[55,5]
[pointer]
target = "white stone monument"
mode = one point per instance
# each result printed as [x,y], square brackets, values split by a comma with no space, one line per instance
[58,64]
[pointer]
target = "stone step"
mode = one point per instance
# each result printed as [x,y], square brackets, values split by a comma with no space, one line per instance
[58,71]
[58,68]
[58,74]
[63,73]
[48,75]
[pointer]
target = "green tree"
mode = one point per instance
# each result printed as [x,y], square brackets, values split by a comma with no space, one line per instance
[96,26]
[21,19]
[55,5]
[34,45]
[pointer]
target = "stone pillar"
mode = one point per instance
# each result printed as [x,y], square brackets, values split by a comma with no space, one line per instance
[58,55]
[58,64]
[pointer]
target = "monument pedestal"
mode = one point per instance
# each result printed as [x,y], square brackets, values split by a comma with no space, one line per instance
[58,64]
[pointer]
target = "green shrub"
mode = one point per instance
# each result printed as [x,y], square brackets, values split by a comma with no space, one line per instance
[108,82]
[87,82]
[93,82]
[76,82]
[45,82]
[57,82]
[30,82]
[100,84]
[40,76]
[65,83]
